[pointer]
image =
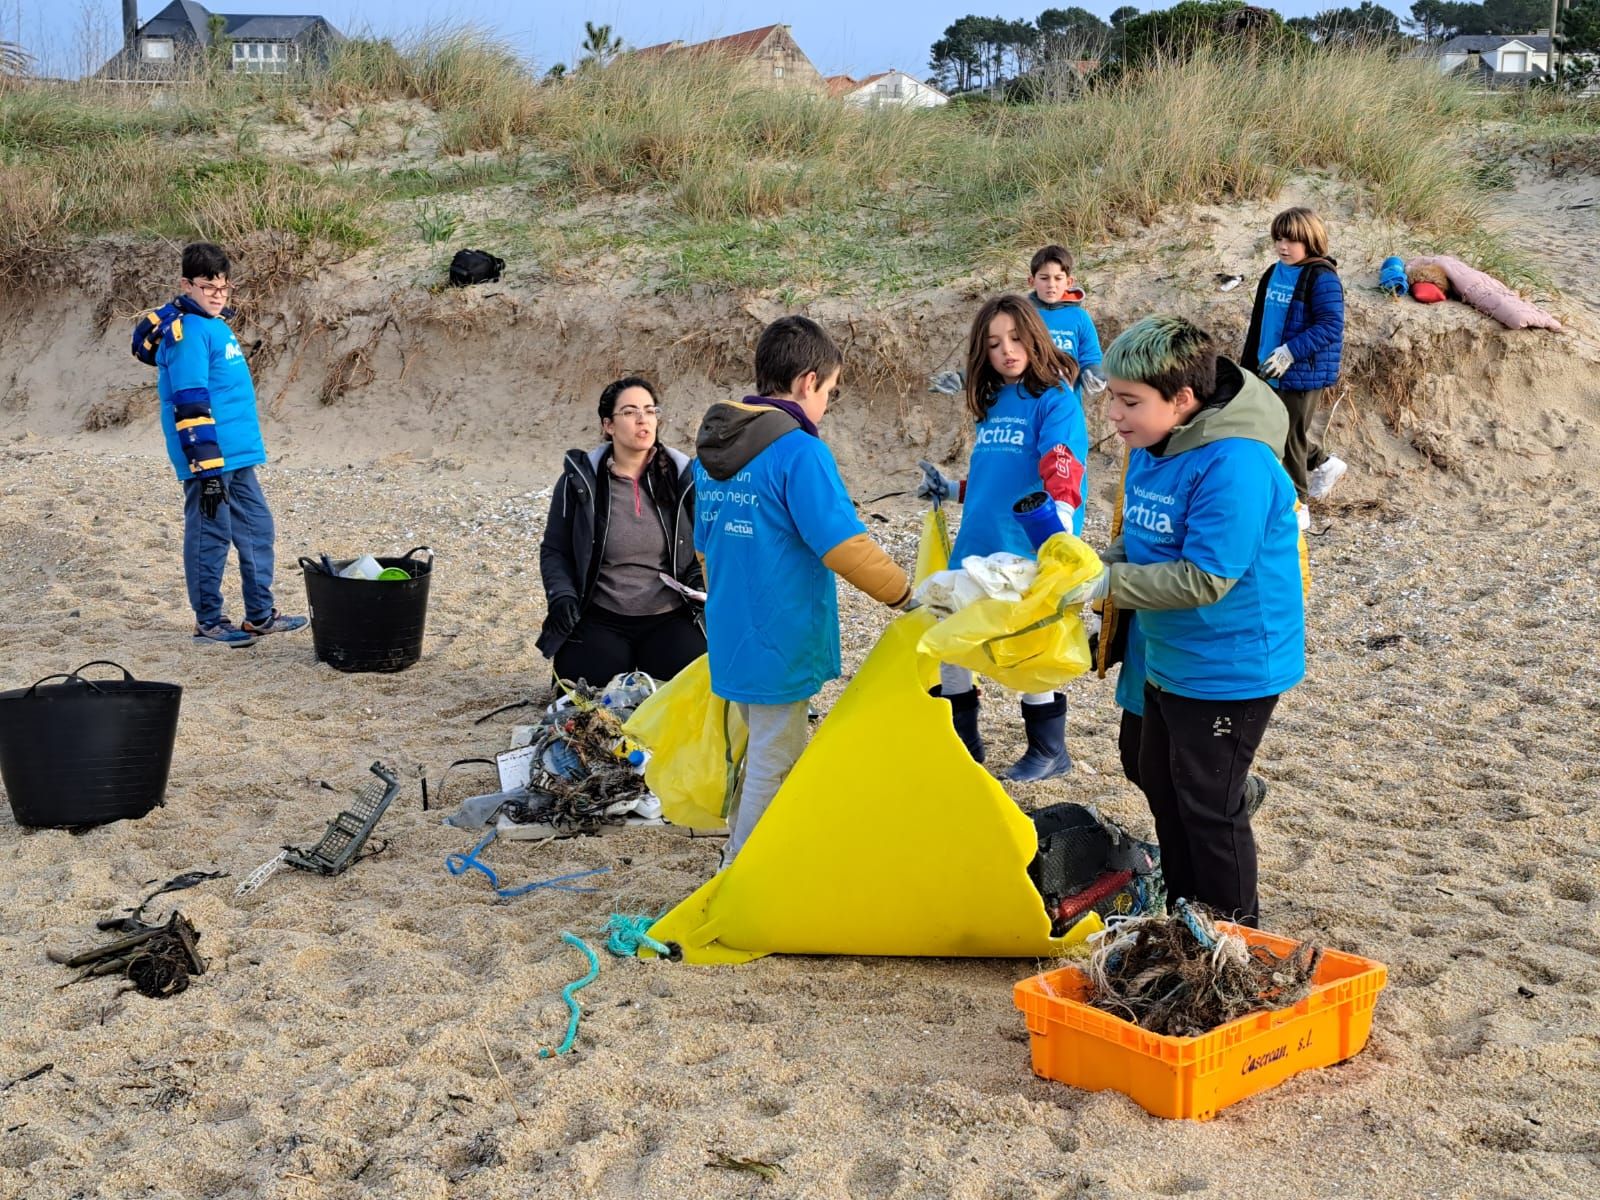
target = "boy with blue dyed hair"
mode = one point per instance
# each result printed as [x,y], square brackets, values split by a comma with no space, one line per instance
[774,524]
[208,412]
[1208,561]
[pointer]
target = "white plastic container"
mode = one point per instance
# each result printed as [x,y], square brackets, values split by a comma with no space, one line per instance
[365,567]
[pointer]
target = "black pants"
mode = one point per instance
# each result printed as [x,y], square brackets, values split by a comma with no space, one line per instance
[1128,738]
[606,644]
[1301,452]
[1194,756]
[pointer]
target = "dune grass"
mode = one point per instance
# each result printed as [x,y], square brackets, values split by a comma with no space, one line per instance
[747,186]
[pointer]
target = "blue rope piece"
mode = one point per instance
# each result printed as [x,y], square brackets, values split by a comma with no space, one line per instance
[570,998]
[460,864]
[1195,927]
[627,934]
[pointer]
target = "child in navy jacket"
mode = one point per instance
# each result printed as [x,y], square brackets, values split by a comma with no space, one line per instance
[1296,340]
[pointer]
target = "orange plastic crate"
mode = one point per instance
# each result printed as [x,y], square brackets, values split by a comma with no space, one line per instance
[1197,1077]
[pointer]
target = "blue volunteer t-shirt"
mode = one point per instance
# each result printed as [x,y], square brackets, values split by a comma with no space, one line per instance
[1073,331]
[772,616]
[1275,310]
[1130,676]
[1010,441]
[207,355]
[1228,508]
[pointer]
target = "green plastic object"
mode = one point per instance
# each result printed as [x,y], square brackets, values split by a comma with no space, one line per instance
[394,574]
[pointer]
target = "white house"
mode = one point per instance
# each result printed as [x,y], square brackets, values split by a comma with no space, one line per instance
[1499,58]
[886,87]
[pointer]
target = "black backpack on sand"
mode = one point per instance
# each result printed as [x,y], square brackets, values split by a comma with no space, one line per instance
[475,266]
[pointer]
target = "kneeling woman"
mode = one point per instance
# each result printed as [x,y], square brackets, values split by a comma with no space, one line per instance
[620,518]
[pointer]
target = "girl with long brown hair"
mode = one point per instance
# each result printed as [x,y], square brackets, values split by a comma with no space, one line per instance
[1023,397]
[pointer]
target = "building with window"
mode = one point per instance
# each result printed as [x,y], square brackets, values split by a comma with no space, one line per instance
[886,87]
[770,54]
[181,33]
[1497,59]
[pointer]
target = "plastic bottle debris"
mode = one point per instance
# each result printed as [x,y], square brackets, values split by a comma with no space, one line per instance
[365,567]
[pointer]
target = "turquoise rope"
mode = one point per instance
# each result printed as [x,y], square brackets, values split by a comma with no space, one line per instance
[570,998]
[627,934]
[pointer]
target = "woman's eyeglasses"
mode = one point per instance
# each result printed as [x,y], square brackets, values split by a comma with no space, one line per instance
[630,413]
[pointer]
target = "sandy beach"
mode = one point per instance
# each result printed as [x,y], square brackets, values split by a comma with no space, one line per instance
[1434,804]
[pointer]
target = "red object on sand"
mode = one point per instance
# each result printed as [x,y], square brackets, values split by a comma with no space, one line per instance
[1426,293]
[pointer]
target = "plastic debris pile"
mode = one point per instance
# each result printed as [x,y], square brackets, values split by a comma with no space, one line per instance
[1180,976]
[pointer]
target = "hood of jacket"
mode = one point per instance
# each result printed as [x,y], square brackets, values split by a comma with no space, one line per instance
[586,463]
[1241,407]
[1073,297]
[733,432]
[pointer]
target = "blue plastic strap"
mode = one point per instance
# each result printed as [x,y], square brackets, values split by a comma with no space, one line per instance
[460,864]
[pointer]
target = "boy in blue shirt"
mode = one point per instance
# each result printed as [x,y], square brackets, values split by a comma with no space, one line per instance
[1208,559]
[208,412]
[1059,299]
[773,522]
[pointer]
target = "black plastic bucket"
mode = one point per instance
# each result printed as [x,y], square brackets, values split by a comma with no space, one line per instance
[369,624]
[87,751]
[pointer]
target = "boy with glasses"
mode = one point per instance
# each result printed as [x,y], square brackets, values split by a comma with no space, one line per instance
[208,412]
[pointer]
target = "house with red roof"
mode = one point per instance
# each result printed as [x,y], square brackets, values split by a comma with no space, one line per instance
[770,54]
[886,87]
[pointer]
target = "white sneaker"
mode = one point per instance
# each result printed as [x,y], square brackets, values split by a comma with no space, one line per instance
[1302,516]
[1320,481]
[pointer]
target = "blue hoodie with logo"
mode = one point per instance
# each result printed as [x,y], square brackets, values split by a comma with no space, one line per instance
[1215,495]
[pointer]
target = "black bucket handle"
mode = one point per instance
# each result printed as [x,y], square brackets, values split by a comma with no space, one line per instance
[418,549]
[76,673]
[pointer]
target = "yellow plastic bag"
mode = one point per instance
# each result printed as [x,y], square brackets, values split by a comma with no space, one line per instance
[1034,644]
[933,551]
[886,838]
[696,741]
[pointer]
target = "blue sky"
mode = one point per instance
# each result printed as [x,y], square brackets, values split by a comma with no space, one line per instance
[839,35]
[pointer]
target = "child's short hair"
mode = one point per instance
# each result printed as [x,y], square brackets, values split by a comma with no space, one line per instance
[204,260]
[1059,255]
[1167,352]
[1304,226]
[791,347]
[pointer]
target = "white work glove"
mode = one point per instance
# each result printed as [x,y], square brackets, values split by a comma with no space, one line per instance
[1090,590]
[947,383]
[935,485]
[1094,381]
[1279,361]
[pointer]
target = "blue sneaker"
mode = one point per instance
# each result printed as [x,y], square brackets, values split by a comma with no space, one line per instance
[224,632]
[276,623]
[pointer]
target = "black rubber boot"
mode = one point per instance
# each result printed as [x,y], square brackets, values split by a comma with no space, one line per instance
[964,716]
[1255,791]
[1046,756]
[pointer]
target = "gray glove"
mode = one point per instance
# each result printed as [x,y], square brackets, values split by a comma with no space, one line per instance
[1094,381]
[947,383]
[1279,361]
[935,485]
[1090,590]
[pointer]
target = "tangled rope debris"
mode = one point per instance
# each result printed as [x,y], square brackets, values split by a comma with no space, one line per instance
[158,960]
[1181,976]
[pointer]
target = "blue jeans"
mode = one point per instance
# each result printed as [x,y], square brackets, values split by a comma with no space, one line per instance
[243,522]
